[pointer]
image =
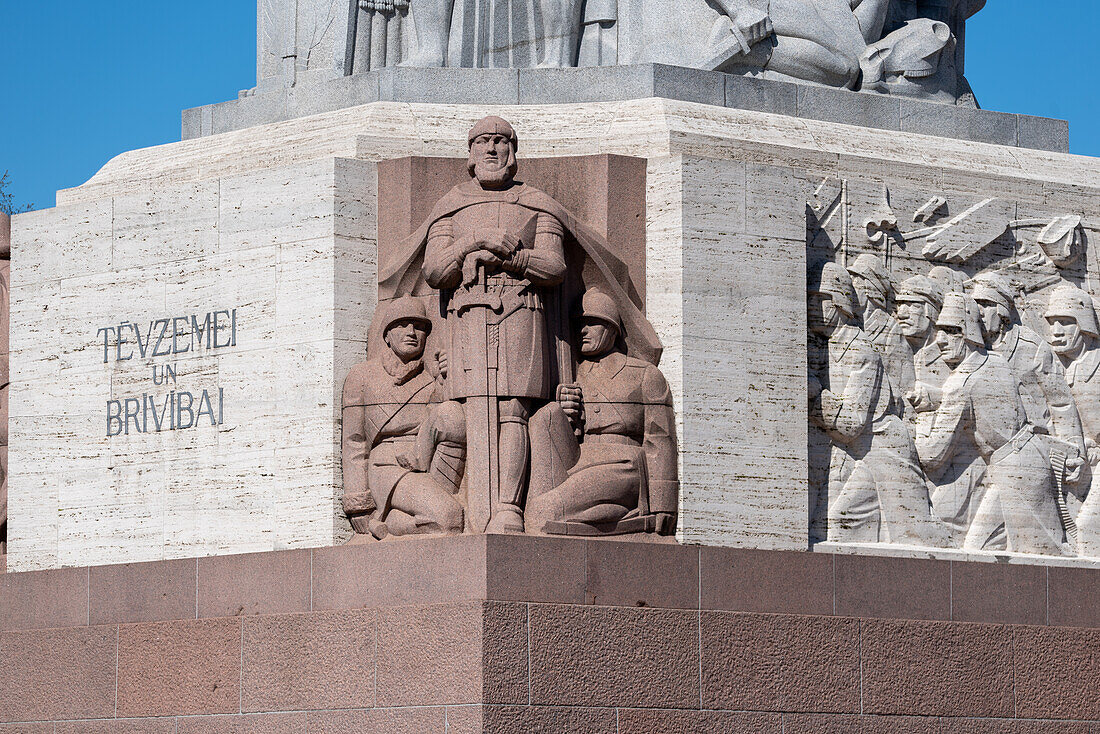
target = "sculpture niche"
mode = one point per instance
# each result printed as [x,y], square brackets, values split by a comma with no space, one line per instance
[500,264]
[838,43]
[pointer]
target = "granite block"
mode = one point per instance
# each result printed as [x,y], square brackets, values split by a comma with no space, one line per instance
[1074,597]
[294,723]
[963,123]
[689,85]
[245,112]
[1057,673]
[936,669]
[36,599]
[323,660]
[535,569]
[383,574]
[256,583]
[449,85]
[853,724]
[530,720]
[58,674]
[420,720]
[640,574]
[142,592]
[431,655]
[773,582]
[164,725]
[998,593]
[201,675]
[647,721]
[748,93]
[338,93]
[1042,133]
[585,84]
[849,108]
[606,656]
[918,588]
[780,663]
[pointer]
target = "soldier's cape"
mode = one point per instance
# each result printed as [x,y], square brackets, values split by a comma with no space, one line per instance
[401,273]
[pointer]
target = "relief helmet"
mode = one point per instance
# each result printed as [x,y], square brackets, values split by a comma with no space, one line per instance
[961,311]
[1069,301]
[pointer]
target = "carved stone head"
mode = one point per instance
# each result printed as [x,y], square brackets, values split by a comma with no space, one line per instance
[831,298]
[958,329]
[600,324]
[493,145]
[1072,320]
[918,303]
[406,329]
[996,299]
[871,280]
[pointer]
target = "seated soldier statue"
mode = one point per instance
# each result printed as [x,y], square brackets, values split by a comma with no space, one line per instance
[404,450]
[604,457]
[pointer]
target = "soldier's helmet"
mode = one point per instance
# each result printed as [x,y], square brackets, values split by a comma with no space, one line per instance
[961,311]
[834,280]
[995,289]
[871,268]
[493,125]
[596,304]
[406,308]
[920,289]
[1068,301]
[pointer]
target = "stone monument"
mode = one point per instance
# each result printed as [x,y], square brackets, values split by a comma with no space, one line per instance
[515,366]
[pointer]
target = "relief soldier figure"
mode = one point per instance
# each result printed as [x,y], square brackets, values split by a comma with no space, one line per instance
[1013,506]
[874,291]
[622,475]
[1049,404]
[1075,337]
[403,449]
[918,303]
[877,491]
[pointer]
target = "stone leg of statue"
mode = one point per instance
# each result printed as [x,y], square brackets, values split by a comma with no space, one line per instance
[561,29]
[554,451]
[432,21]
[420,505]
[818,42]
[514,458]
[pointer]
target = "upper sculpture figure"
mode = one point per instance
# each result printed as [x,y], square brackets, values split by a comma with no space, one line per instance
[907,47]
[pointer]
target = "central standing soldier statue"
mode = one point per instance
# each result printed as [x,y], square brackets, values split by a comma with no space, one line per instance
[496,251]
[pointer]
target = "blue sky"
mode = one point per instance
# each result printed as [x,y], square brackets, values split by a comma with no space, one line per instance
[85,81]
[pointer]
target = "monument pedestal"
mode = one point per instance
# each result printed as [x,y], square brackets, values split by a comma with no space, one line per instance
[275,227]
[514,634]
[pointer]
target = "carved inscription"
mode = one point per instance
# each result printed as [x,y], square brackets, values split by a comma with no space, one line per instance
[173,336]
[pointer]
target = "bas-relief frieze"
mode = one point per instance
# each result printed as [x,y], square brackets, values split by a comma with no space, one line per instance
[905,47]
[952,353]
[512,385]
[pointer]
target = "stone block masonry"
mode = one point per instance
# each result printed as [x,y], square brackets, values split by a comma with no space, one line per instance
[466,635]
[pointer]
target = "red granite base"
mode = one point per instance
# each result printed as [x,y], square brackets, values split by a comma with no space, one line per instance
[516,634]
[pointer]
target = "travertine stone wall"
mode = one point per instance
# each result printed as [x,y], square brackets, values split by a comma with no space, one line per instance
[291,250]
[278,222]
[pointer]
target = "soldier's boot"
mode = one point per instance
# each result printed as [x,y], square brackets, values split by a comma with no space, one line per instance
[514,455]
